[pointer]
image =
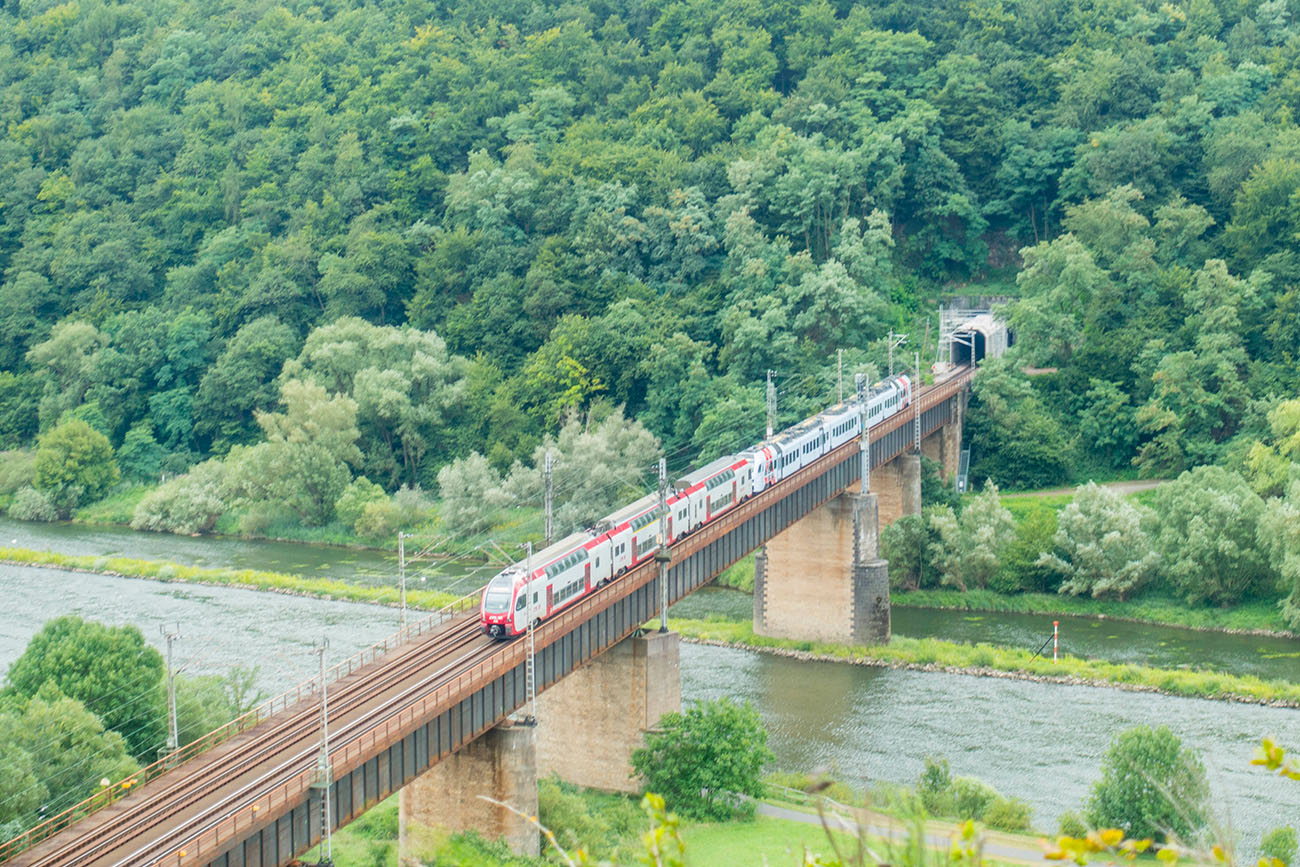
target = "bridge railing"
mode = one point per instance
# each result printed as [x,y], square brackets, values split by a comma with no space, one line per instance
[108,794]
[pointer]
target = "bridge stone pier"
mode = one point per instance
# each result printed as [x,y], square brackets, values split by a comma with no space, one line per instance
[822,579]
[502,764]
[589,723]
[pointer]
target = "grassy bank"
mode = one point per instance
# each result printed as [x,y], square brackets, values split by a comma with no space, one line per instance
[1259,616]
[933,655]
[322,588]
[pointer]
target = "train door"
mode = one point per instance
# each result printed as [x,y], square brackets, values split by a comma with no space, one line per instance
[550,597]
[670,525]
[520,613]
[586,578]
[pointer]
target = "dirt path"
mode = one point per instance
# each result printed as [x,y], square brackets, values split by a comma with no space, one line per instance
[1124,488]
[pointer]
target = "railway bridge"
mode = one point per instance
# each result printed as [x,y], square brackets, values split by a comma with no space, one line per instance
[431,705]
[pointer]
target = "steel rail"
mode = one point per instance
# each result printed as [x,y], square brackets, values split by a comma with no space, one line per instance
[185,791]
[302,764]
[278,704]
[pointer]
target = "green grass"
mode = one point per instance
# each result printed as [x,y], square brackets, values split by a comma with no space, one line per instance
[117,508]
[764,842]
[903,652]
[1258,615]
[1020,505]
[323,588]
[739,575]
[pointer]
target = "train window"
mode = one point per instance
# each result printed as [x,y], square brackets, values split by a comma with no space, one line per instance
[523,600]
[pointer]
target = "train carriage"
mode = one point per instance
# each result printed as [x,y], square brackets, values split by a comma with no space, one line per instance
[577,565]
[842,422]
[715,488]
[561,574]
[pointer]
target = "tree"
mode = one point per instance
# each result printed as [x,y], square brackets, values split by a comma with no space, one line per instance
[68,748]
[907,545]
[1101,547]
[596,466]
[1273,462]
[472,494]
[110,669]
[1022,567]
[1279,535]
[704,759]
[242,382]
[1208,522]
[207,702]
[403,384]
[970,547]
[140,458]
[1151,786]
[1106,422]
[1015,440]
[304,464]
[74,466]
[1199,394]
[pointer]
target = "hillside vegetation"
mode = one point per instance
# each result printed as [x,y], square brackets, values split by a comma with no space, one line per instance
[311,261]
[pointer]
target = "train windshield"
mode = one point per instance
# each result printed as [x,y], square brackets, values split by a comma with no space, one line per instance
[496,600]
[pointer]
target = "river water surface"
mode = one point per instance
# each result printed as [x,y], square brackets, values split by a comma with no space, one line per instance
[1039,742]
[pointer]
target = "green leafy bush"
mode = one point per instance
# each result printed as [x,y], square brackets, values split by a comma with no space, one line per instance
[30,504]
[935,787]
[74,465]
[1008,814]
[972,798]
[17,469]
[359,493]
[187,504]
[1151,786]
[1071,824]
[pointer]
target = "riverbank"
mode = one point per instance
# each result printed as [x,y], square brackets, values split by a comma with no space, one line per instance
[985,660]
[253,579]
[1252,618]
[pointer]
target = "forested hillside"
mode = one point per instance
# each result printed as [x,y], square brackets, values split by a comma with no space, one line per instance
[410,231]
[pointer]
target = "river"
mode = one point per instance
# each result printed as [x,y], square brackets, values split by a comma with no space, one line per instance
[1042,743]
[1088,637]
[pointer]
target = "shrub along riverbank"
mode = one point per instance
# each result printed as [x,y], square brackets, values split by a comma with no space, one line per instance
[278,582]
[930,654]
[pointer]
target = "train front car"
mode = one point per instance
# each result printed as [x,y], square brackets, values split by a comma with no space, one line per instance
[904,383]
[496,611]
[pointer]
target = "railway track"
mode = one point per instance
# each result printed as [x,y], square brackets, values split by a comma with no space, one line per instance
[208,801]
[220,782]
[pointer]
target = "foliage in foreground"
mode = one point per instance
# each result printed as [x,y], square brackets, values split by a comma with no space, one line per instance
[85,703]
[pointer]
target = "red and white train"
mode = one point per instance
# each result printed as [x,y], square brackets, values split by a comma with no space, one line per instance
[575,566]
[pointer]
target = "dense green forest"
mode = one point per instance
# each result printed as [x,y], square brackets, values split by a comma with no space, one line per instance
[327,257]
